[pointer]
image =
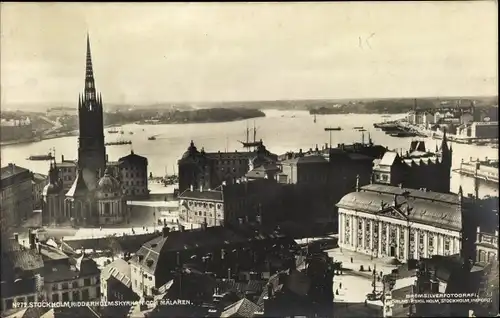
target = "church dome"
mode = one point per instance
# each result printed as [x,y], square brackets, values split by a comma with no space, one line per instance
[108,183]
[190,151]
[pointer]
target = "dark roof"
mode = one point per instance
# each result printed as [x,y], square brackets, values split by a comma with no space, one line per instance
[127,243]
[306,160]
[119,269]
[38,177]
[262,171]
[432,208]
[242,308]
[70,270]
[211,237]
[229,155]
[12,174]
[79,188]
[208,195]
[133,159]
[25,260]
[52,253]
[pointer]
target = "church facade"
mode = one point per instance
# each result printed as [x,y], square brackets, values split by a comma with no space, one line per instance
[97,193]
[388,221]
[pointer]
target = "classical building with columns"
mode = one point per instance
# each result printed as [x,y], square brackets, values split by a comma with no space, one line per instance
[387,221]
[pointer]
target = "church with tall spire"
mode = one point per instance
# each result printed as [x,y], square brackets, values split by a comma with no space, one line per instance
[91,190]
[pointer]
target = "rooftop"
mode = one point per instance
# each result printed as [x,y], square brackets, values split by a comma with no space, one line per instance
[119,269]
[431,208]
[242,308]
[206,195]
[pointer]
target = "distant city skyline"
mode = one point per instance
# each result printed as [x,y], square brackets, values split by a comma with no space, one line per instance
[145,53]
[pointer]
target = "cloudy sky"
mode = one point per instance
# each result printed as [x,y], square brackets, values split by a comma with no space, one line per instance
[159,52]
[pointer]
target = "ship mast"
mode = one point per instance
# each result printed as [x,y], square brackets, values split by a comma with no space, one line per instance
[248,132]
[254,132]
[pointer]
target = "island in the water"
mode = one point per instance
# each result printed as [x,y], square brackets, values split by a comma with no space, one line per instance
[31,126]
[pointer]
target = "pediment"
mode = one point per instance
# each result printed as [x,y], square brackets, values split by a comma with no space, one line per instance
[393,212]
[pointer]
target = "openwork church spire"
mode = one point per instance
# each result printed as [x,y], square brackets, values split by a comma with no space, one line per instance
[89,92]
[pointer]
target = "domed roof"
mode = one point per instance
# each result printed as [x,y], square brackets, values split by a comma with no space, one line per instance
[108,183]
[190,151]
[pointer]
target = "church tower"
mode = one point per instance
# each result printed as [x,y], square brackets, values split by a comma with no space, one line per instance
[91,149]
[446,162]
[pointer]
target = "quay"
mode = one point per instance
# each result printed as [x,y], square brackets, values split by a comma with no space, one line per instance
[486,169]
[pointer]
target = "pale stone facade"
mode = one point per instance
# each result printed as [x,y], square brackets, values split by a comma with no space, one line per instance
[400,228]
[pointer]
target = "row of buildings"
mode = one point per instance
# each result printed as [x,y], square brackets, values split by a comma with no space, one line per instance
[21,193]
[219,188]
[468,121]
[15,129]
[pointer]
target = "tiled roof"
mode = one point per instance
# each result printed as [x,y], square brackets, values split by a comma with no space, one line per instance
[70,270]
[25,260]
[119,269]
[388,159]
[229,155]
[306,160]
[209,195]
[211,237]
[126,243]
[11,170]
[242,308]
[133,158]
[435,209]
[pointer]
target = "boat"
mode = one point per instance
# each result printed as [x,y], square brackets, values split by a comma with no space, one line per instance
[131,133]
[255,142]
[46,157]
[403,134]
[113,131]
[118,143]
[152,138]
[333,128]
[359,127]
[121,132]
[362,129]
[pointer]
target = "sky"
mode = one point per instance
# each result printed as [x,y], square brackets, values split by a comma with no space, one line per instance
[190,52]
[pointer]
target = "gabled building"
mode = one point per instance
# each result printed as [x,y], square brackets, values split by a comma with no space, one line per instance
[16,200]
[418,169]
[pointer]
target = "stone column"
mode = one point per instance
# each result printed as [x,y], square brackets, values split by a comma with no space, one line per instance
[426,244]
[355,232]
[387,238]
[406,247]
[372,244]
[380,224]
[363,233]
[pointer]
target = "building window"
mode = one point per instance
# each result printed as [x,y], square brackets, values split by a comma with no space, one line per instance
[86,294]
[55,286]
[76,295]
[86,282]
[31,299]
[55,297]
[446,243]
[65,296]
[64,285]
[75,284]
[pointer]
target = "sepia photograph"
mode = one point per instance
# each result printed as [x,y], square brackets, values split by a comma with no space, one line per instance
[249,159]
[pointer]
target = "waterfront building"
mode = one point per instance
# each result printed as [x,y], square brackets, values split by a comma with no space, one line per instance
[16,201]
[90,190]
[242,201]
[210,169]
[68,278]
[383,220]
[486,169]
[16,129]
[484,130]
[417,169]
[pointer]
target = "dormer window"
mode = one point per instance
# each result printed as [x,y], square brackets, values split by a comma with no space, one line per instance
[150,263]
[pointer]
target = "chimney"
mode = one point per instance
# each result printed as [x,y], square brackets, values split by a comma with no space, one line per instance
[229,273]
[258,218]
[191,188]
[39,248]
[201,188]
[62,158]
[204,225]
[181,228]
[496,233]
[107,158]
[32,239]
[16,237]
[395,199]
[165,231]
[246,218]
[240,221]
